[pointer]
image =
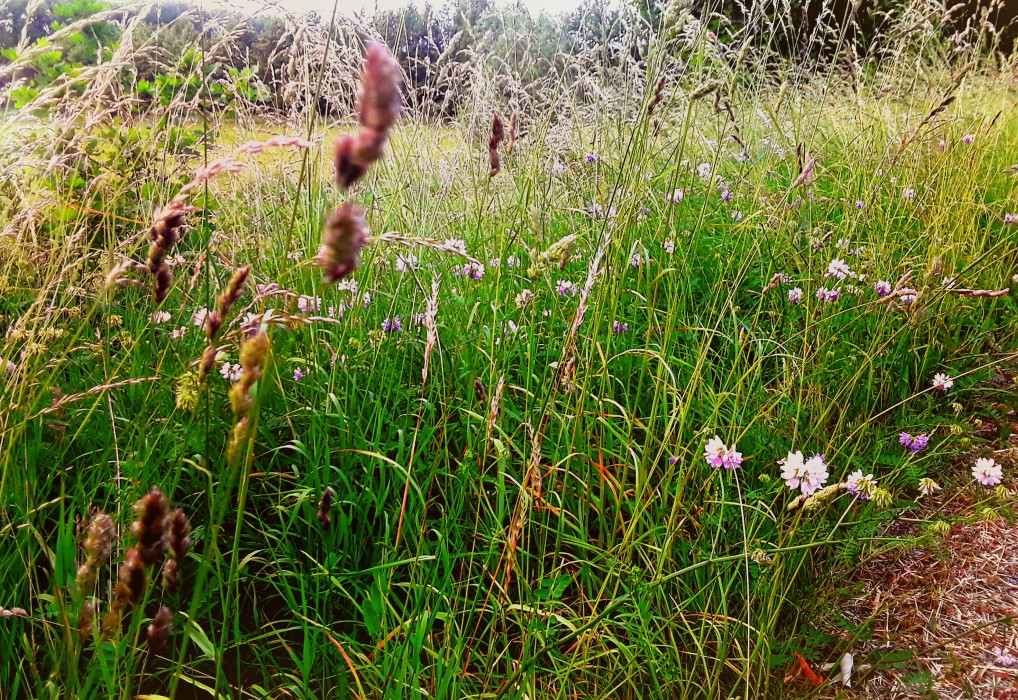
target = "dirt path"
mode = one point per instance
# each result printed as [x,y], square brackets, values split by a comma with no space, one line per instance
[942,602]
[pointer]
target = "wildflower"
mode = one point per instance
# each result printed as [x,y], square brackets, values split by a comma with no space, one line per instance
[676,196]
[882,288]
[968,139]
[295,255]
[495,262]
[669,246]
[512,261]
[1002,657]
[741,157]
[673,459]
[392,325]
[590,157]
[309,305]
[859,204]
[474,271]
[250,323]
[230,372]
[405,263]
[928,487]
[719,455]
[636,260]
[861,486]
[524,298]
[160,317]
[987,472]
[828,295]
[726,196]
[704,170]
[200,316]
[456,245]
[619,326]
[942,381]
[795,295]
[913,444]
[737,215]
[839,269]
[908,193]
[298,374]
[843,244]
[882,498]
[1011,218]
[565,287]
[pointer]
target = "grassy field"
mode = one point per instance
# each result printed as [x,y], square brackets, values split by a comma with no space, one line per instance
[518,503]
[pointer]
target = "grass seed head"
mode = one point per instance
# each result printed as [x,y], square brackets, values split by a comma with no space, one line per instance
[159,630]
[346,233]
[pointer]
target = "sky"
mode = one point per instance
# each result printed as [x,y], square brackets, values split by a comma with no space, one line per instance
[324,7]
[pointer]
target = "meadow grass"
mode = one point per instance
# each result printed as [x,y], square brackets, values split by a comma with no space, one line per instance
[534,516]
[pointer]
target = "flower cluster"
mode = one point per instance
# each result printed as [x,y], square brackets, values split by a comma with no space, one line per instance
[860,485]
[987,472]
[807,475]
[913,444]
[718,454]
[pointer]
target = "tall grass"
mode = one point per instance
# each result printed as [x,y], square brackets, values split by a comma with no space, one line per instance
[533,516]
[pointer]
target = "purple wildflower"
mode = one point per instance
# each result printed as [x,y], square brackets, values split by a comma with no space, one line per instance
[590,157]
[620,326]
[392,325]
[298,374]
[882,287]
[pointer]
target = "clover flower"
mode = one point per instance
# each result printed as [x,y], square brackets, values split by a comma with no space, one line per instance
[942,381]
[859,204]
[160,317]
[928,487]
[456,244]
[882,288]
[838,269]
[636,260]
[726,196]
[807,475]
[719,455]
[392,325]
[619,326]
[987,472]
[565,287]
[913,444]
[1002,657]
[704,170]
[968,139]
[1011,218]
[861,486]
[590,157]
[524,298]
[669,246]
[676,196]
[795,295]
[908,193]
[231,372]
[298,374]
[828,295]
[309,305]
[474,271]
[198,320]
